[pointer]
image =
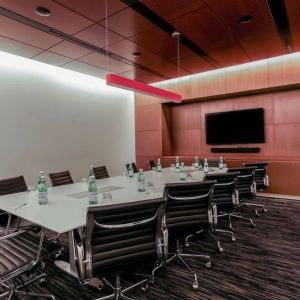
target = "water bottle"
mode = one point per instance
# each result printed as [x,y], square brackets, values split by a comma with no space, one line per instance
[205,168]
[182,174]
[196,163]
[177,163]
[42,189]
[92,190]
[91,173]
[130,171]
[221,163]
[141,181]
[158,166]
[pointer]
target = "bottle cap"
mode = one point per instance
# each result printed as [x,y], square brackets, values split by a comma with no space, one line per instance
[141,170]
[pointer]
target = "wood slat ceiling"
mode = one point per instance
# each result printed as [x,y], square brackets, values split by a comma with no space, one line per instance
[211,25]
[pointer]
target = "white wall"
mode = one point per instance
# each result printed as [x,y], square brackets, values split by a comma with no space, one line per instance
[54,119]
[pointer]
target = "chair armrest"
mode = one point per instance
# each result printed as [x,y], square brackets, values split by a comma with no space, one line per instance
[213,216]
[235,198]
[266,181]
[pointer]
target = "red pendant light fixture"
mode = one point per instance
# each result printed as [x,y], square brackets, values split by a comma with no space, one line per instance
[140,87]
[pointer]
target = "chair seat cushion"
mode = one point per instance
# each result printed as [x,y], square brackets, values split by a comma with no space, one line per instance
[16,252]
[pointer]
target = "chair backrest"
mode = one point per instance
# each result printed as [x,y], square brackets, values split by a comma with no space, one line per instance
[189,205]
[135,170]
[151,164]
[225,190]
[100,172]
[245,181]
[61,178]
[123,234]
[12,185]
[260,176]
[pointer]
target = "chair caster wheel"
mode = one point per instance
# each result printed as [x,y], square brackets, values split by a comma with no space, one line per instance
[145,288]
[221,250]
[43,282]
[252,225]
[195,285]
[187,244]
[208,265]
[265,210]
[233,239]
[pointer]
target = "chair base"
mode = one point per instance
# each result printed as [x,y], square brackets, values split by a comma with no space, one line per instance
[251,205]
[210,234]
[179,255]
[119,292]
[14,290]
[231,215]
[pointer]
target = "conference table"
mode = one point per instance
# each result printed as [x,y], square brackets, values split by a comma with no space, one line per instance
[67,204]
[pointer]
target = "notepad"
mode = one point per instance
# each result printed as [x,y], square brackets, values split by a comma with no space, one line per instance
[105,189]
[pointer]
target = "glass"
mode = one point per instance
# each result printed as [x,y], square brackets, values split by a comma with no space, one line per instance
[149,187]
[83,180]
[173,167]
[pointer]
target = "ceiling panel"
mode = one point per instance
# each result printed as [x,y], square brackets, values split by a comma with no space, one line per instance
[164,45]
[52,58]
[103,62]
[18,48]
[194,64]
[96,35]
[204,29]
[142,75]
[69,49]
[94,9]
[229,55]
[127,23]
[61,18]
[125,48]
[262,23]
[293,12]
[169,10]
[264,46]
[84,68]
[26,34]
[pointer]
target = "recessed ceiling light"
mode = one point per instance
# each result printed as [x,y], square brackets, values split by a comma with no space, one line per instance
[246,19]
[42,11]
[136,54]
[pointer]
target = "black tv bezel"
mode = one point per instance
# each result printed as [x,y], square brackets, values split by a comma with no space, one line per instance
[235,112]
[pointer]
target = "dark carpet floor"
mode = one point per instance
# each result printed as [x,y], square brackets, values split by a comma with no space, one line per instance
[263,263]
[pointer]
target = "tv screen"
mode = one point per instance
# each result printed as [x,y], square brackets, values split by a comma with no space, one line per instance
[235,127]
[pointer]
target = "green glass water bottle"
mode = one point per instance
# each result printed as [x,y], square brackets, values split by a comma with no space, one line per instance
[182,174]
[158,166]
[92,190]
[130,171]
[42,189]
[221,163]
[141,181]
[205,167]
[91,172]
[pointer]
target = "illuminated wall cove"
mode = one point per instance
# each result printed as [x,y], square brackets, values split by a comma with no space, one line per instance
[53,119]
[164,130]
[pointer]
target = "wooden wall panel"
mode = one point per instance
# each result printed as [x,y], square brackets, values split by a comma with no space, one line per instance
[148,117]
[286,109]
[149,143]
[187,116]
[247,77]
[208,83]
[186,142]
[287,140]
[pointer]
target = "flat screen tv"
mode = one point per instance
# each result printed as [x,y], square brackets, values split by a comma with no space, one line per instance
[235,127]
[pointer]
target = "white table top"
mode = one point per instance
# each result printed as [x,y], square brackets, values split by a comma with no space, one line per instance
[64,213]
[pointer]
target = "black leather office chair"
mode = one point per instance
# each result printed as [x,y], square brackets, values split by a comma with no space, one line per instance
[151,164]
[189,211]
[122,236]
[246,187]
[225,195]
[61,178]
[19,254]
[100,172]
[11,186]
[261,180]
[135,170]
